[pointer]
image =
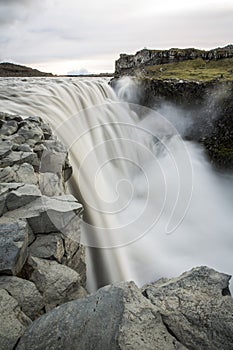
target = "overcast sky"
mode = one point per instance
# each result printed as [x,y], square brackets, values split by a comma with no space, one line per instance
[60,36]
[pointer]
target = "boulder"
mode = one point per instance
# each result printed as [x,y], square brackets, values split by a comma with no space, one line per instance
[46,130]
[25,173]
[53,157]
[16,139]
[13,245]
[116,317]
[48,247]
[56,282]
[9,127]
[16,195]
[22,147]
[19,158]
[13,321]
[75,257]
[7,116]
[26,294]
[51,214]
[196,307]
[5,148]
[56,246]
[7,174]
[21,196]
[51,184]
[31,131]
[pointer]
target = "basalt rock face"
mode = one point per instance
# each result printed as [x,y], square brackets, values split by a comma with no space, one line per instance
[206,105]
[128,64]
[42,263]
[193,311]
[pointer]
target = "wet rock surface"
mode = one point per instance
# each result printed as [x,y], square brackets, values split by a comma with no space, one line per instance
[206,107]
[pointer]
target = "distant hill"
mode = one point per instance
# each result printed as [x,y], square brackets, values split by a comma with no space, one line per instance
[15,70]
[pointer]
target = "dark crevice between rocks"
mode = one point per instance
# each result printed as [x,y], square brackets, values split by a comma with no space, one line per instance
[226,291]
[170,331]
[144,293]
[16,344]
[26,271]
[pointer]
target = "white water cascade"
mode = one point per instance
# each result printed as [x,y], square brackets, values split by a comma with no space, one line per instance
[153,205]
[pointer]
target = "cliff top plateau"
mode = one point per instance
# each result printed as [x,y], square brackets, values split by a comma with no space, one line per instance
[186,64]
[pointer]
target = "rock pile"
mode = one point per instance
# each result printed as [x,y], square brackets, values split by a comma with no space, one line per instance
[42,264]
[193,311]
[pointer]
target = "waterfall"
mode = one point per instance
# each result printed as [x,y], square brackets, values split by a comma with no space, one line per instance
[153,205]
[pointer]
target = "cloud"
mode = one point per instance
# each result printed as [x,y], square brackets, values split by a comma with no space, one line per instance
[81,71]
[14,10]
[39,32]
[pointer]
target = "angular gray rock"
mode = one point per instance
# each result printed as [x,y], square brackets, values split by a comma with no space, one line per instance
[15,139]
[196,307]
[19,173]
[26,294]
[25,173]
[53,157]
[13,245]
[13,321]
[15,195]
[116,317]
[56,246]
[9,127]
[56,282]
[46,130]
[30,131]
[5,148]
[51,184]
[51,214]
[75,257]
[22,147]
[7,175]
[48,247]
[19,158]
[7,116]
[22,196]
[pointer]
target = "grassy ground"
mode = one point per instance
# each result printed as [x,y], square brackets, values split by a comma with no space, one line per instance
[197,70]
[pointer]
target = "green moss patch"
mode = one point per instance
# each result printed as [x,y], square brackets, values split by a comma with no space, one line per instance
[195,70]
